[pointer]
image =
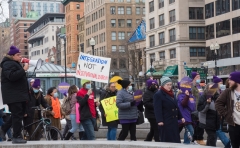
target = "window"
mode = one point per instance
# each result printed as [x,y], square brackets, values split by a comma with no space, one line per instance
[201,52]
[53,38]
[161,38]
[25,47]
[120,0]
[121,23]
[137,1]
[152,56]
[24,24]
[122,63]
[121,35]
[78,6]
[209,10]
[114,48]
[152,24]
[235,4]
[172,35]
[197,51]
[151,6]
[162,55]
[172,53]
[224,51]
[196,33]
[152,40]
[172,15]
[113,23]
[161,20]
[160,3]
[121,48]
[129,10]
[114,63]
[171,1]
[120,10]
[236,25]
[114,36]
[222,6]
[78,17]
[25,30]
[195,13]
[138,10]
[236,49]
[129,23]
[223,28]
[25,35]
[113,10]
[143,9]
[209,32]
[128,1]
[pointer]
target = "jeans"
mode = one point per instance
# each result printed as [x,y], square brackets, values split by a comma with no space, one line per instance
[211,137]
[88,126]
[190,129]
[234,133]
[75,125]
[112,132]
[225,140]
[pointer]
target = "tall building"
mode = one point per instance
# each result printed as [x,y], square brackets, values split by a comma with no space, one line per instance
[222,27]
[81,33]
[175,36]
[60,58]
[110,23]
[4,38]
[74,10]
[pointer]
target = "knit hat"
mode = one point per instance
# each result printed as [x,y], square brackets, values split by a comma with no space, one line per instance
[216,79]
[150,82]
[165,80]
[194,74]
[36,83]
[83,81]
[13,50]
[235,76]
[124,83]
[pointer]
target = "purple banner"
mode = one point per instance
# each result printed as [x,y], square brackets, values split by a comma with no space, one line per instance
[212,90]
[63,87]
[185,84]
[138,95]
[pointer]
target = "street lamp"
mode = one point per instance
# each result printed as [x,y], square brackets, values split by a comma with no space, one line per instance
[151,69]
[215,48]
[205,69]
[63,37]
[92,43]
[52,59]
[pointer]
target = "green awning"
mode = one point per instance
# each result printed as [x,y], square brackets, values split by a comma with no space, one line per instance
[199,70]
[171,71]
[150,70]
[158,73]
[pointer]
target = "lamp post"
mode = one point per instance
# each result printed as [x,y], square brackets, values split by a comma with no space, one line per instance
[63,37]
[52,59]
[215,48]
[151,69]
[205,69]
[92,43]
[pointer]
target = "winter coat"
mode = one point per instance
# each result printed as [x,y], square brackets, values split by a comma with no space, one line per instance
[148,103]
[104,95]
[166,110]
[125,110]
[14,83]
[208,116]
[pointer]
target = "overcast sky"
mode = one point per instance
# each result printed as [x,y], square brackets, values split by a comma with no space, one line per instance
[4,15]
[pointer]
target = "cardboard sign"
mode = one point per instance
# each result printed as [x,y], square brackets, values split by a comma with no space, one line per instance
[110,108]
[186,84]
[93,68]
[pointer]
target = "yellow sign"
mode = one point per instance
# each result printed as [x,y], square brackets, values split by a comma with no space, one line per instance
[110,108]
[115,79]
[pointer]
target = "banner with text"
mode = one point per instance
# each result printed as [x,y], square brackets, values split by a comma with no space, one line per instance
[110,108]
[93,68]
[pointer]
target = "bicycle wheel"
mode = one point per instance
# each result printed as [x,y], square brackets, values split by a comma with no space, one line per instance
[52,133]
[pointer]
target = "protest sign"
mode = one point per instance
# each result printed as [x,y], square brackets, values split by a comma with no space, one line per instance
[93,68]
[185,84]
[110,108]
[212,90]
[138,95]
[63,87]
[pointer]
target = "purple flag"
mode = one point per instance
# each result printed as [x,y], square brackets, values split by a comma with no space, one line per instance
[63,87]
[138,95]
[212,90]
[186,84]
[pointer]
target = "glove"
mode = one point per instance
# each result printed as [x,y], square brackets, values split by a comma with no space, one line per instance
[89,92]
[133,103]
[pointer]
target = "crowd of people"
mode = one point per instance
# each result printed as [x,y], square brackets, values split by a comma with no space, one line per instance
[193,110]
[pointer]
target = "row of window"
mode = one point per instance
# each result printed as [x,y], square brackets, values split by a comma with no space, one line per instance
[96,15]
[121,35]
[121,48]
[122,23]
[160,4]
[128,1]
[38,52]
[172,38]
[121,10]
[101,51]
[95,28]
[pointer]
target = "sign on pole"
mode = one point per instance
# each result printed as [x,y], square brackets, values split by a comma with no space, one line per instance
[93,68]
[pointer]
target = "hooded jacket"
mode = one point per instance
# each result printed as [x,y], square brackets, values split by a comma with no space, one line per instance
[148,103]
[14,83]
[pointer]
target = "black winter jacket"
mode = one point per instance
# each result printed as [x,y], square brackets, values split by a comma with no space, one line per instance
[14,83]
[148,103]
[107,94]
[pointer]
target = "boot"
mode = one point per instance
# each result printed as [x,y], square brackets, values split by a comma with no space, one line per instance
[69,134]
[81,135]
[201,142]
[18,140]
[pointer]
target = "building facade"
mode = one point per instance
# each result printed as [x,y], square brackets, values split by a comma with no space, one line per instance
[43,39]
[222,27]
[60,57]
[81,33]
[110,23]
[175,35]
[74,10]
[4,38]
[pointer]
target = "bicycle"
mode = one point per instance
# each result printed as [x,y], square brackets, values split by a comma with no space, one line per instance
[44,125]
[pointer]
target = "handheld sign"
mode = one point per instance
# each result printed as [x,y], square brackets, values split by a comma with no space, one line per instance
[185,84]
[212,90]
[93,68]
[63,87]
[110,108]
[138,95]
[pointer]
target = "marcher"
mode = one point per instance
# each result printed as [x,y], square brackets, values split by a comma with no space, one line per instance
[14,87]
[127,110]
[149,110]
[32,115]
[72,95]
[197,92]
[56,114]
[187,104]
[208,116]
[111,91]
[88,114]
[167,112]
[228,106]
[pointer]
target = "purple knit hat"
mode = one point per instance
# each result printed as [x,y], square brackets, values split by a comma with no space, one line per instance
[36,84]
[13,50]
[235,76]
[216,79]
[194,74]
[150,82]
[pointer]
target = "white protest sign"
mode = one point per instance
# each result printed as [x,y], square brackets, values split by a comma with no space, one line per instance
[93,68]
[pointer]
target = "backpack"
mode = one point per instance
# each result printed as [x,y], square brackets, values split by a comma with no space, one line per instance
[66,107]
